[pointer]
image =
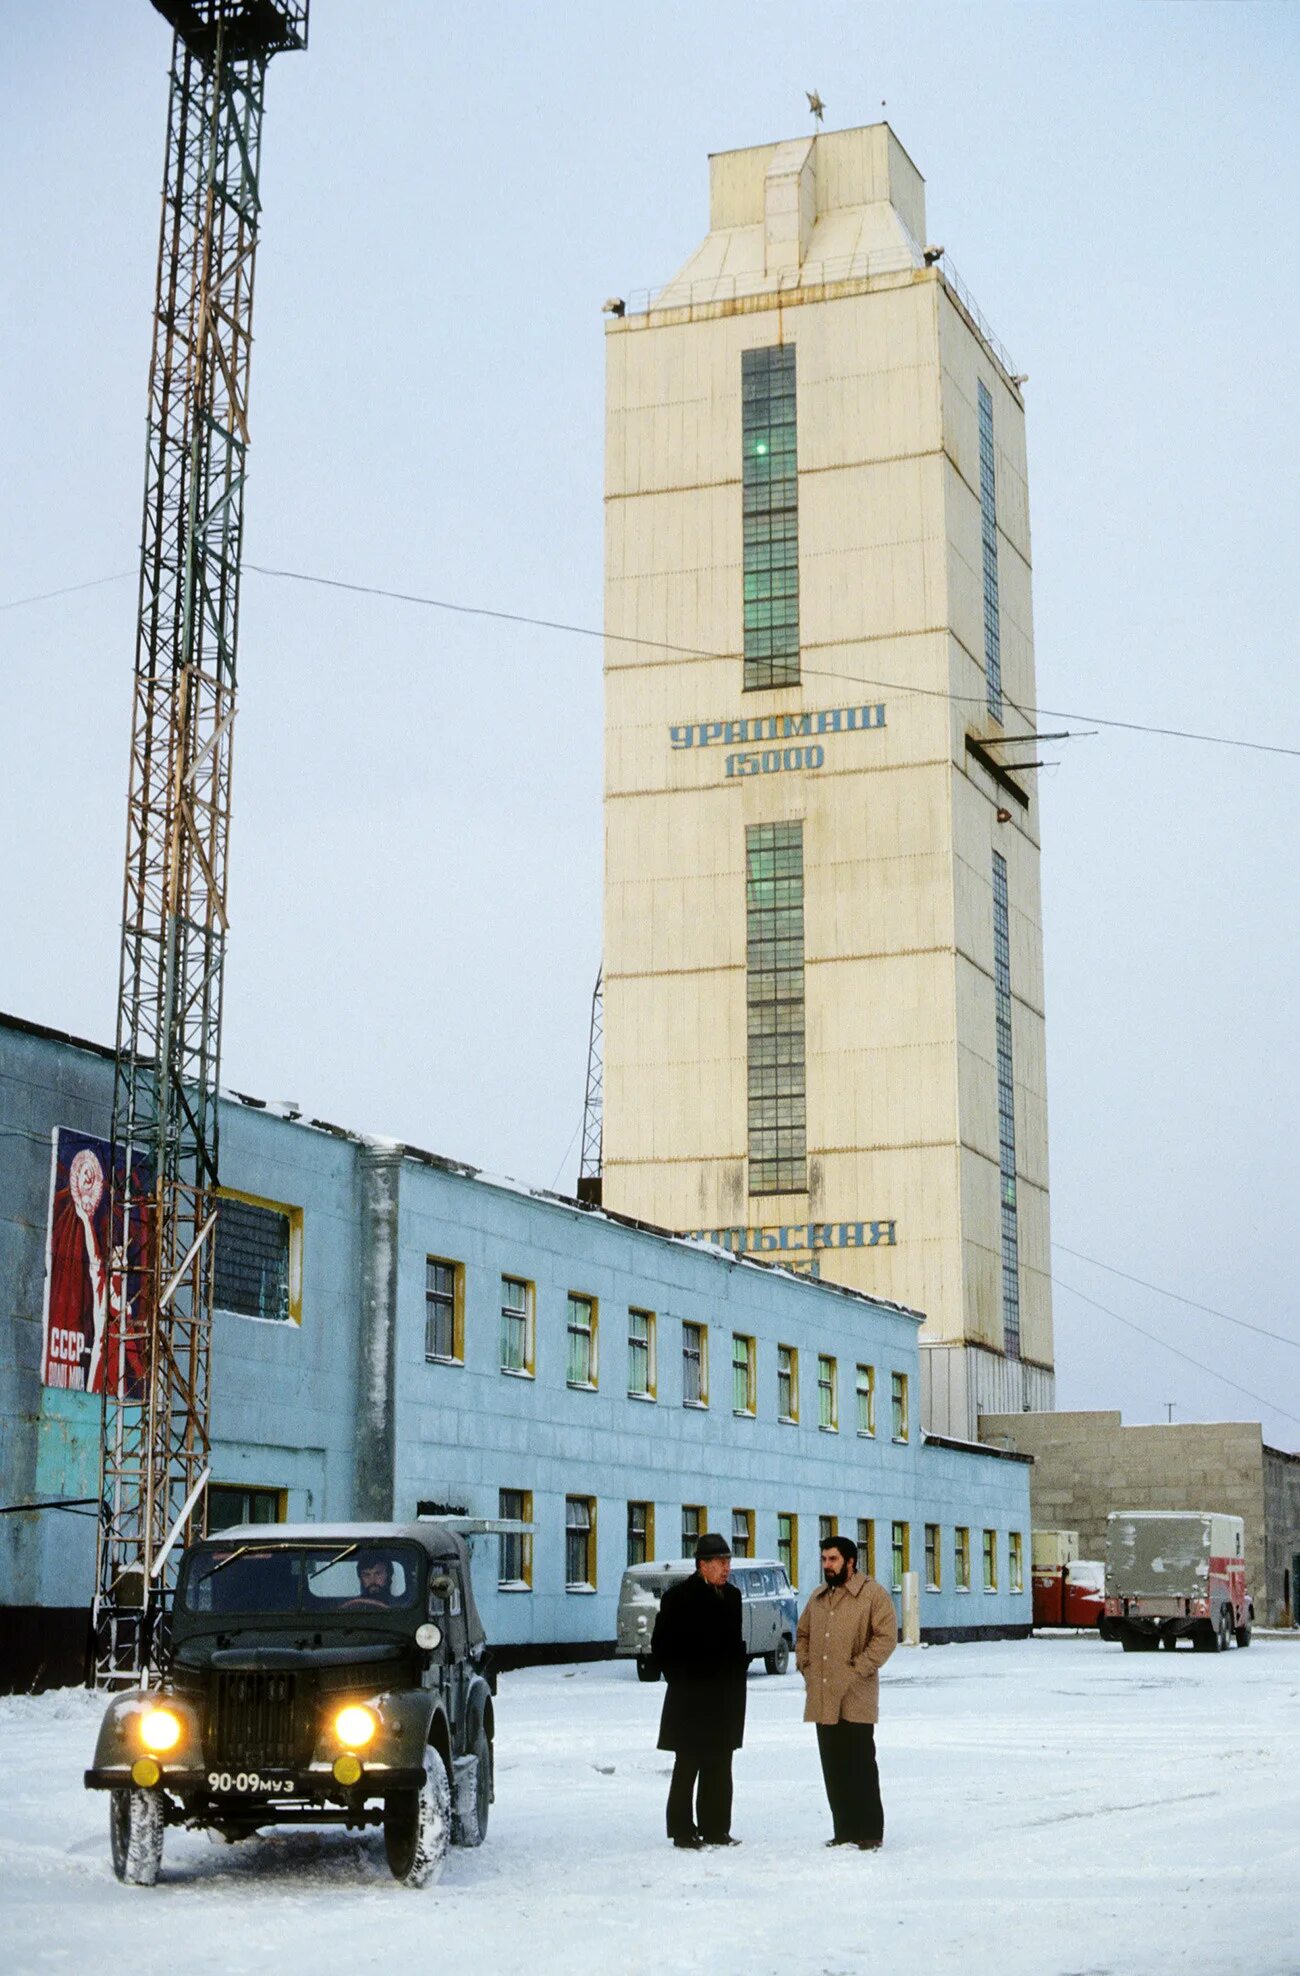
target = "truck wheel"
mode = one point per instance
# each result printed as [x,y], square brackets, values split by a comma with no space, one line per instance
[1243,1634]
[135,1835]
[417,1826]
[646,1669]
[1205,1640]
[779,1659]
[473,1793]
[1226,1629]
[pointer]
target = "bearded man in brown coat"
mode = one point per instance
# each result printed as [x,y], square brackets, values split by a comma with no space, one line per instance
[847,1632]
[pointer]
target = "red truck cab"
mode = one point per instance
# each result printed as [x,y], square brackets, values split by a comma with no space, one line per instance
[1070,1594]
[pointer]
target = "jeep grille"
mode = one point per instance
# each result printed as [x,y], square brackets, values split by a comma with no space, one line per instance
[253,1720]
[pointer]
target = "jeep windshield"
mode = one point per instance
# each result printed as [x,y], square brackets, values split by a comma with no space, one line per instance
[253,1577]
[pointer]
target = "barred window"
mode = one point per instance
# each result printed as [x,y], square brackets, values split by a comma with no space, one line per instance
[580,1543]
[1006,1111]
[774,994]
[515,1568]
[771,517]
[989,553]
[254,1259]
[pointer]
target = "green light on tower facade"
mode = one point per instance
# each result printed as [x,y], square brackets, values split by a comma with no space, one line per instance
[761,448]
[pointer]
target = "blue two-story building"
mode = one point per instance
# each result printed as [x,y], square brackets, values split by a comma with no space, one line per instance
[399,1334]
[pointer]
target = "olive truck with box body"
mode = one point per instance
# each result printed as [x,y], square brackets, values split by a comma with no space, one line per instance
[1173,1575]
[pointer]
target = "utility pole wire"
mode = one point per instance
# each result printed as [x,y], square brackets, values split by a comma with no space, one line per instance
[1270,1406]
[92,583]
[693,652]
[1278,1337]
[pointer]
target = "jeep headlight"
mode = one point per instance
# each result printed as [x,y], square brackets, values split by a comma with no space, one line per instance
[355,1726]
[160,1730]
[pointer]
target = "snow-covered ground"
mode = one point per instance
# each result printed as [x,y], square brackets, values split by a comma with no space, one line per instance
[1054,1808]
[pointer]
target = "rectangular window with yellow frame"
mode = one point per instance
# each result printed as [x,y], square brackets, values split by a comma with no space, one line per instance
[787,1544]
[787,1385]
[828,1400]
[900,1548]
[641,1369]
[518,1331]
[742,1533]
[444,1311]
[582,1340]
[744,1381]
[257,1258]
[640,1533]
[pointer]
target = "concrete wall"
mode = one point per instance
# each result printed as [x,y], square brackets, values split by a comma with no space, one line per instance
[345,1415]
[1086,1464]
[1282,1535]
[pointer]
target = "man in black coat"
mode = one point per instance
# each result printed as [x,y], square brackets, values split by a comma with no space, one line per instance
[699,1643]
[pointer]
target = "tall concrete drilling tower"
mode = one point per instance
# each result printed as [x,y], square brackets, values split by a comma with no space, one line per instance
[823,978]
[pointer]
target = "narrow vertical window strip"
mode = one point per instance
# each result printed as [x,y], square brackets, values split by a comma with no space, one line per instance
[771,523]
[775,1008]
[989,553]
[1006,1111]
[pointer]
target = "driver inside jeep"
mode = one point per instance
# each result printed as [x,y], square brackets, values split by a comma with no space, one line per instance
[375,1578]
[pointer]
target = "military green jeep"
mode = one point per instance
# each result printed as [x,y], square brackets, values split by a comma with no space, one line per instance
[315,1674]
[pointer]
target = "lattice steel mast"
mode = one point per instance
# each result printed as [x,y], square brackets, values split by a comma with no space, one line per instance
[155,1375]
[593,1110]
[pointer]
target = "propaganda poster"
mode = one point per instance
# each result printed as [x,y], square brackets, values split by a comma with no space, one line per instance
[92,1269]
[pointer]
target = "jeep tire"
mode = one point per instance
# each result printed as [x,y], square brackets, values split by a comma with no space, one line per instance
[135,1834]
[473,1793]
[646,1669]
[779,1659]
[417,1826]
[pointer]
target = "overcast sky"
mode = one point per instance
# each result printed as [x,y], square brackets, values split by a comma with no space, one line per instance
[450,193]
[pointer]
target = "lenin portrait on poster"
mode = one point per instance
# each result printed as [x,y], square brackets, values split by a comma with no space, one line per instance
[93,1266]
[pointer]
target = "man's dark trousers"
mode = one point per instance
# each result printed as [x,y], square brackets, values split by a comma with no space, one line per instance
[848,1754]
[713,1797]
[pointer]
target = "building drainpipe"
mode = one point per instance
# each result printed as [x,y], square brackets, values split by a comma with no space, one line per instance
[376,1423]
